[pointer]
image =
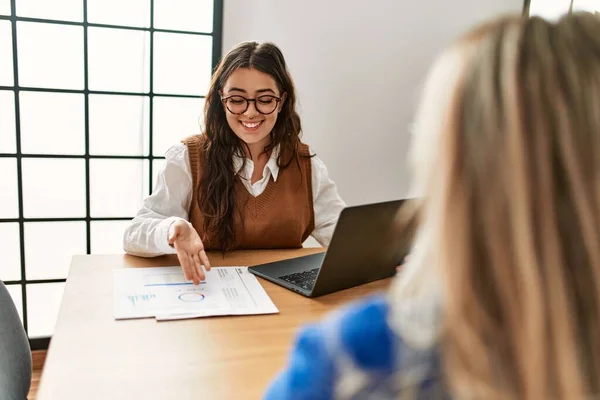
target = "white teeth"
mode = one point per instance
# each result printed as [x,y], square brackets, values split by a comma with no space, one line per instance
[250,124]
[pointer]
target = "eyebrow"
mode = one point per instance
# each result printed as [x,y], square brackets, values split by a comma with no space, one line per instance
[235,89]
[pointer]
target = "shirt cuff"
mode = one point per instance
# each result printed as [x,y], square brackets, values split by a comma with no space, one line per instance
[161,235]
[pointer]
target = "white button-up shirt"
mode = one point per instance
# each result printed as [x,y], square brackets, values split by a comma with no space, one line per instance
[171,199]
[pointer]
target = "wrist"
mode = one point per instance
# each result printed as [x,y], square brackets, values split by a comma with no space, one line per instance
[162,233]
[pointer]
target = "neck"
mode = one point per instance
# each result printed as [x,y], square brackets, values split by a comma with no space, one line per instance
[256,151]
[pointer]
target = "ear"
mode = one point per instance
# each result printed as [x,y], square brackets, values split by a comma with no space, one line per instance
[283,99]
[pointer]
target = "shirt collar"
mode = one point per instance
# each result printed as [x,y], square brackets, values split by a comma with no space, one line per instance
[238,161]
[272,163]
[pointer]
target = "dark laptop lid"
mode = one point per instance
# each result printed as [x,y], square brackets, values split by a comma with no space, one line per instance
[367,245]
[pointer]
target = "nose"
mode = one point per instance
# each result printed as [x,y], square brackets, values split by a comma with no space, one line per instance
[251,111]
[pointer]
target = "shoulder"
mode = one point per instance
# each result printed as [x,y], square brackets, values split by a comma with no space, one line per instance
[319,172]
[361,332]
[363,347]
[321,354]
[318,164]
[196,146]
[353,353]
[303,150]
[177,152]
[194,142]
[364,334]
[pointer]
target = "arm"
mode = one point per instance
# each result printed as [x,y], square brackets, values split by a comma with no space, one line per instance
[327,202]
[146,236]
[341,356]
[310,371]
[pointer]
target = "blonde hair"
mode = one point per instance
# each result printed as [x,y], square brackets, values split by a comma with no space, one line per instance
[507,152]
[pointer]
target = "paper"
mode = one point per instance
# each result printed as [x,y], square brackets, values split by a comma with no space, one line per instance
[165,294]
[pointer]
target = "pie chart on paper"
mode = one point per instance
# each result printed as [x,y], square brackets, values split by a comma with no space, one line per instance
[191,297]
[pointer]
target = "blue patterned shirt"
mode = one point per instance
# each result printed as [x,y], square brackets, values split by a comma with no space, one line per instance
[354,354]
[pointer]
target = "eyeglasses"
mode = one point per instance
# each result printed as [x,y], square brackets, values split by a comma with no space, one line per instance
[264,104]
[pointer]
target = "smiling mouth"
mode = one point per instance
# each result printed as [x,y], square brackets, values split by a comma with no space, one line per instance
[251,126]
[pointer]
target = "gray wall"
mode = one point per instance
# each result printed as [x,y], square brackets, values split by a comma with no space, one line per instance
[358,66]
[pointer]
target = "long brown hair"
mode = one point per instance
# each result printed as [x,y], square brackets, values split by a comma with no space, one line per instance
[216,195]
[512,201]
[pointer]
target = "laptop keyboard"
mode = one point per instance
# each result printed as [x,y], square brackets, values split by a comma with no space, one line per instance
[305,279]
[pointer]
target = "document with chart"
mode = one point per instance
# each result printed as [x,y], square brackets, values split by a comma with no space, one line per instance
[165,294]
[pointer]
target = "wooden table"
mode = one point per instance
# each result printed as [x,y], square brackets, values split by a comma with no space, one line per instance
[92,356]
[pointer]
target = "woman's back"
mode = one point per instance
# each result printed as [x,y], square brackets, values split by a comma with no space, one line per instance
[513,204]
[504,281]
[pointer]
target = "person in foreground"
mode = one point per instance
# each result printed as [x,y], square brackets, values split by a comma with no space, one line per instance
[501,297]
[246,182]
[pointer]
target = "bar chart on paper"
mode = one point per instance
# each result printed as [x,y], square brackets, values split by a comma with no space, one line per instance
[165,294]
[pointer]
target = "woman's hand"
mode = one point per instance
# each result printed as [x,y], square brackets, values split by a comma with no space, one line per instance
[190,250]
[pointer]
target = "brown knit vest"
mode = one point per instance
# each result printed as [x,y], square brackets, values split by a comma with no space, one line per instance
[280,217]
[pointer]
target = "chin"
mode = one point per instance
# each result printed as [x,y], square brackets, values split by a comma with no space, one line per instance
[253,138]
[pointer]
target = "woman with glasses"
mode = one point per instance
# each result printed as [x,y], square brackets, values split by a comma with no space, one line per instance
[245,182]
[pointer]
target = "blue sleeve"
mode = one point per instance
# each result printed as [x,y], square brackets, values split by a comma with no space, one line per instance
[366,337]
[310,371]
[359,333]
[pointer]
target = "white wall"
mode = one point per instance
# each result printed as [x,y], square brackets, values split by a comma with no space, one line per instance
[358,66]
[549,9]
[554,9]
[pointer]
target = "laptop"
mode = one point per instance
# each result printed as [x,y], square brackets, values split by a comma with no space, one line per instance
[366,246]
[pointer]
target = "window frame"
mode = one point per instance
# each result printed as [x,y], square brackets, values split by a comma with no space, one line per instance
[217,37]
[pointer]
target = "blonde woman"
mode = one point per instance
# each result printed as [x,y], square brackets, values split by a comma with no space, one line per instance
[501,298]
